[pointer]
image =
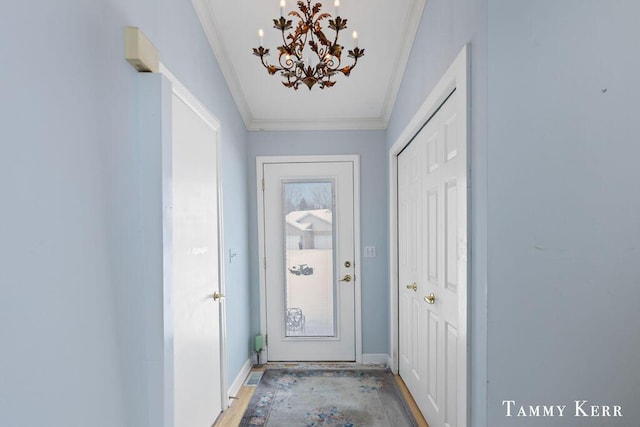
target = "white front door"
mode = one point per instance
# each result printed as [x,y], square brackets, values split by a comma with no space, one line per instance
[432,238]
[197,335]
[309,247]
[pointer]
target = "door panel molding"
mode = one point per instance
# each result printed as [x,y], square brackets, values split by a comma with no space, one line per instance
[355,159]
[456,78]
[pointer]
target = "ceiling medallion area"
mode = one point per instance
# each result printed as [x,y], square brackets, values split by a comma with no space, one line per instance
[308,56]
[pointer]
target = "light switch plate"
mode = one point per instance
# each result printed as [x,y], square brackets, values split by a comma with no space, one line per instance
[369,251]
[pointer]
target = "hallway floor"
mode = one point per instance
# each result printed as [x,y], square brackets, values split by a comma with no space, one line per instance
[233,415]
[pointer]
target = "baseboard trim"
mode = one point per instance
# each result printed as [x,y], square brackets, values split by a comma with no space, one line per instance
[239,381]
[368,358]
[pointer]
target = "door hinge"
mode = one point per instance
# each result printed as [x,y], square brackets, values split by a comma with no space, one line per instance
[265,262]
[266,340]
[262,184]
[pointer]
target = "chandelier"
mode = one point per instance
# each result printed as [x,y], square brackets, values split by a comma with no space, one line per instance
[307,54]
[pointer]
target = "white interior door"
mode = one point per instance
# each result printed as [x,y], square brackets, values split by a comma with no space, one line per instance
[309,247]
[432,237]
[197,334]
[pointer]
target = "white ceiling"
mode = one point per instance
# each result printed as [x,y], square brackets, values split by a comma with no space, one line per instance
[364,100]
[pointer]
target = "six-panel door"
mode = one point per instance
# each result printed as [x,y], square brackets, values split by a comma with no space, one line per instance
[432,266]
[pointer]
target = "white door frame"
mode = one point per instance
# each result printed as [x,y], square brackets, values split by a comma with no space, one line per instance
[260,162]
[455,78]
[180,91]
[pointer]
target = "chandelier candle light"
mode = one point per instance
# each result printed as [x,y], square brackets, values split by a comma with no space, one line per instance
[308,40]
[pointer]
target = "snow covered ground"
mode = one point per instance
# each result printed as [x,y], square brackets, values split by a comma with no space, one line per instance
[313,294]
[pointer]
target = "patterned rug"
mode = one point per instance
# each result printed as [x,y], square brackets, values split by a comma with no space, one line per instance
[328,398]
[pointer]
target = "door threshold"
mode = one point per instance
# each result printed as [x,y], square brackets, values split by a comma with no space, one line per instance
[324,365]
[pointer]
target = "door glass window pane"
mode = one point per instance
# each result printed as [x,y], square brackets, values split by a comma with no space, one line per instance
[309,240]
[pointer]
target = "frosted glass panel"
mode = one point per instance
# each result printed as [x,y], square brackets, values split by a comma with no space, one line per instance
[309,236]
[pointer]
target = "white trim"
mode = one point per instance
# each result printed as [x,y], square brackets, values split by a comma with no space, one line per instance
[222,274]
[197,107]
[206,17]
[261,256]
[192,102]
[410,29]
[357,258]
[374,358]
[315,124]
[239,381]
[260,162]
[456,77]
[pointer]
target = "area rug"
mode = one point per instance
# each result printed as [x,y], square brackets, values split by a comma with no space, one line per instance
[328,398]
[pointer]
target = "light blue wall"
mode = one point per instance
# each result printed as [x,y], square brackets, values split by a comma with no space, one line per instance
[446,26]
[373,216]
[555,219]
[190,58]
[564,204]
[554,225]
[69,179]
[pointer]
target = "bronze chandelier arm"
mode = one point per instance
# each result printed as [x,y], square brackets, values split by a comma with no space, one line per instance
[309,32]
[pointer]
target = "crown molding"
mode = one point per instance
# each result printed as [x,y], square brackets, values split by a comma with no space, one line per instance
[206,17]
[325,124]
[412,22]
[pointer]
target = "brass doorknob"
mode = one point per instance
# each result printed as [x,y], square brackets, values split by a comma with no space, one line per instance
[217,296]
[430,299]
[413,286]
[346,278]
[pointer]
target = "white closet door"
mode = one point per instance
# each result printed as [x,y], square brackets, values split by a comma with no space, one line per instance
[432,227]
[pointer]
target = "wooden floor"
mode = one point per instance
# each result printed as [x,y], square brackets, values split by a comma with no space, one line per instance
[233,415]
[413,407]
